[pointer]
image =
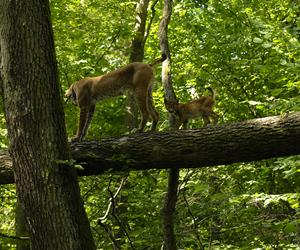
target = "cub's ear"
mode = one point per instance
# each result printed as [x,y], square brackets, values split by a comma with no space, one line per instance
[169,102]
[165,99]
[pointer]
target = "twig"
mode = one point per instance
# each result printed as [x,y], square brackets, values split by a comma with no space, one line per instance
[112,207]
[111,199]
[109,233]
[186,178]
[150,21]
[14,237]
[117,218]
[195,226]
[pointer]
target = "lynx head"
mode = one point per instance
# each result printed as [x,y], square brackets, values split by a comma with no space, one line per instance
[70,94]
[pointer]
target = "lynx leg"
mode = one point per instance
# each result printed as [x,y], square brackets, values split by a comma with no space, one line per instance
[152,111]
[141,99]
[205,119]
[87,122]
[83,116]
[86,115]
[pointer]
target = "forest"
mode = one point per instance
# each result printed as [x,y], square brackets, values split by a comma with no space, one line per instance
[234,185]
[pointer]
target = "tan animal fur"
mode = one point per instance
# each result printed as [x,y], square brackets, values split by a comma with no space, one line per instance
[135,77]
[202,107]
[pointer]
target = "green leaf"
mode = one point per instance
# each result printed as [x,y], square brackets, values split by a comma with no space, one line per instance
[292,227]
[257,40]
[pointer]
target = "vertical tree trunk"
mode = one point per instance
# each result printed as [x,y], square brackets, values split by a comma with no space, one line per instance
[138,41]
[131,117]
[20,220]
[173,179]
[136,55]
[47,185]
[169,210]
[164,46]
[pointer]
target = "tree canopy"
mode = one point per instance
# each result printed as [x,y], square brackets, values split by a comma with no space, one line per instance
[248,51]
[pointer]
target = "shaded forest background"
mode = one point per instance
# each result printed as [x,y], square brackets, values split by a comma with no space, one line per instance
[248,51]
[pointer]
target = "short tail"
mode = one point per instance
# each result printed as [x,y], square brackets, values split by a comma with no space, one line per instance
[159,60]
[213,93]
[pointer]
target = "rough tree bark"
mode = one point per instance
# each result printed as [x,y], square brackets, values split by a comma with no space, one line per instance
[47,186]
[20,220]
[251,140]
[168,209]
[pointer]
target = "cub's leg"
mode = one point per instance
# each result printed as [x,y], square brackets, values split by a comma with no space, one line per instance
[215,117]
[174,121]
[184,124]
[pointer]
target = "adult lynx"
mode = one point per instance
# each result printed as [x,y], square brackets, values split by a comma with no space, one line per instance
[135,77]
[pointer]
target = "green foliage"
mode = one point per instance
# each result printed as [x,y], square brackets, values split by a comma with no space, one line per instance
[7,209]
[3,130]
[137,207]
[250,60]
[230,206]
[248,51]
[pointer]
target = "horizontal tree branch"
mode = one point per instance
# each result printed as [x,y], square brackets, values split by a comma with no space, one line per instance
[245,141]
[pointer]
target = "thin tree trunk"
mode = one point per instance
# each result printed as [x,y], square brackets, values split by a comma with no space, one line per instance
[168,209]
[131,116]
[164,46]
[47,185]
[138,41]
[136,55]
